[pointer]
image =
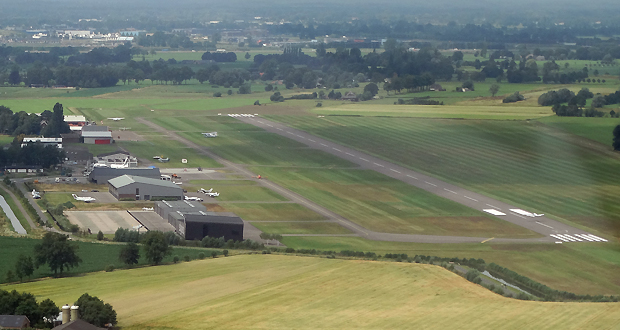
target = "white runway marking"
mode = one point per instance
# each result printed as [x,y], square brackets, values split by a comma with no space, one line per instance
[378,164]
[299,136]
[337,149]
[520,216]
[323,144]
[279,129]
[585,237]
[290,133]
[350,154]
[411,176]
[269,125]
[559,237]
[393,170]
[259,121]
[454,192]
[542,224]
[311,140]
[364,159]
[473,199]
[495,207]
[432,184]
[494,212]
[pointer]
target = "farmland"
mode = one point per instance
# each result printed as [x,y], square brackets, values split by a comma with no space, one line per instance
[257,292]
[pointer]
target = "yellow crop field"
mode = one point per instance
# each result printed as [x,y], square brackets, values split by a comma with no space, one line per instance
[287,292]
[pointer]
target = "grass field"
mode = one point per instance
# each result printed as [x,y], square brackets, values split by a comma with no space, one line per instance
[95,256]
[597,129]
[301,228]
[580,268]
[272,212]
[383,204]
[527,163]
[267,292]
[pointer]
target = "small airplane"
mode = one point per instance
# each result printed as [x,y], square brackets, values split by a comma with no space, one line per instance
[116,118]
[213,194]
[157,157]
[205,191]
[35,194]
[193,199]
[210,135]
[83,199]
[163,160]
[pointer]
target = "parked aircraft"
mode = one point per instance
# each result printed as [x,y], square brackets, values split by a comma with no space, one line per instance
[116,118]
[83,199]
[213,194]
[204,191]
[125,164]
[209,192]
[35,194]
[193,199]
[210,135]
[164,160]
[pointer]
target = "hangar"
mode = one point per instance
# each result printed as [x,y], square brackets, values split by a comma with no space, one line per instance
[142,188]
[101,175]
[192,221]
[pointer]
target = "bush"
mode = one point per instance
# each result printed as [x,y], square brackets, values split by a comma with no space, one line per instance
[516,97]
[175,259]
[213,254]
[318,105]
[109,268]
[187,258]
[100,236]
[201,255]
[225,253]
[217,94]
[268,88]
[229,92]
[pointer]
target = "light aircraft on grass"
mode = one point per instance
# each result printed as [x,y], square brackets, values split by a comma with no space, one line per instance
[210,135]
[35,194]
[209,192]
[83,199]
[204,191]
[163,160]
[116,118]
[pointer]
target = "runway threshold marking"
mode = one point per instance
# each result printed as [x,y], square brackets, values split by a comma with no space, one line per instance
[542,224]
[486,240]
[473,199]
[454,192]
[432,184]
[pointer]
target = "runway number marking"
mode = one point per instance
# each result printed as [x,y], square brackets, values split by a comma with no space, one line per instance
[473,199]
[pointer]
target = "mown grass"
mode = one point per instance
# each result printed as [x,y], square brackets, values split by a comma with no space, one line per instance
[526,163]
[272,212]
[597,129]
[301,228]
[95,256]
[256,291]
[383,204]
[247,193]
[168,148]
[580,268]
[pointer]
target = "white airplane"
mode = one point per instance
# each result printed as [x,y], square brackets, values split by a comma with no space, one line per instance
[100,165]
[194,199]
[116,118]
[205,191]
[526,213]
[83,199]
[164,160]
[35,194]
[125,164]
[210,135]
[213,194]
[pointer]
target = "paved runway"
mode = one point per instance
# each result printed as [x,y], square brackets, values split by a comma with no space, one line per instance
[540,224]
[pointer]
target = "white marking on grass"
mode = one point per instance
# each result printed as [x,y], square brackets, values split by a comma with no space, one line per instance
[473,199]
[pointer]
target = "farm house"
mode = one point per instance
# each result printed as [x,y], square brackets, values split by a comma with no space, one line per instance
[141,188]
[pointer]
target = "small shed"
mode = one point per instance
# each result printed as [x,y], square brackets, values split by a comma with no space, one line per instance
[350,96]
[14,322]
[141,188]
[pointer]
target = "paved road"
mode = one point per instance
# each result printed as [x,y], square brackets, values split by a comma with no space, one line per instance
[542,225]
[355,228]
[17,226]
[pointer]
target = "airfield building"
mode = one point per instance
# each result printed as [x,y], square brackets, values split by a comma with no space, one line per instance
[94,134]
[143,188]
[192,221]
[102,175]
[118,158]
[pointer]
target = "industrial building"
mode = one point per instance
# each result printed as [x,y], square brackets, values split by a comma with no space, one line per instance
[192,221]
[75,122]
[14,322]
[101,175]
[142,188]
[117,158]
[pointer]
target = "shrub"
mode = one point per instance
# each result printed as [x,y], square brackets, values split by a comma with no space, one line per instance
[217,94]
[318,105]
[109,268]
[213,254]
[100,236]
[186,258]
[225,253]
[516,97]
[201,255]
[175,259]
[268,88]
[229,92]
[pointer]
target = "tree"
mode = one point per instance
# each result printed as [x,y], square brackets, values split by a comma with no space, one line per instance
[155,247]
[24,266]
[130,254]
[14,77]
[57,252]
[469,85]
[48,310]
[100,236]
[247,56]
[372,88]
[616,143]
[94,311]
[494,89]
